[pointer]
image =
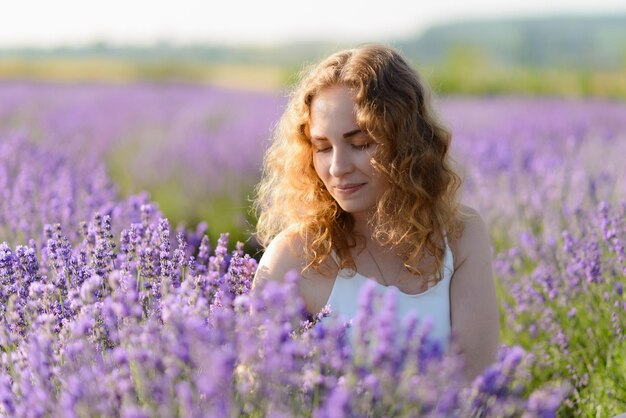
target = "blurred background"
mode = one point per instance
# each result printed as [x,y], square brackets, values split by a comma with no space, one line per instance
[178,99]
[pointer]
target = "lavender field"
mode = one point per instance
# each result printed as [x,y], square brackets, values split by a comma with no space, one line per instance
[118,299]
[195,149]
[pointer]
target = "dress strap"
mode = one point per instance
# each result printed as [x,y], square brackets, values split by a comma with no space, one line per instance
[448,257]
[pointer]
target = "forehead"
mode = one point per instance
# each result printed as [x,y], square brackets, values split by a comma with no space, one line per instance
[333,108]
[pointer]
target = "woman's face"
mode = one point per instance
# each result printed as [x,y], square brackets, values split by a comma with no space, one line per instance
[342,153]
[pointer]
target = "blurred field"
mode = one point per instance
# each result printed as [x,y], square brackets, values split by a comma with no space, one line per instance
[462,74]
[528,81]
[124,71]
[195,148]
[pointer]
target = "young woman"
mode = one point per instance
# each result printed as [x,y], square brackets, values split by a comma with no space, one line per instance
[357,186]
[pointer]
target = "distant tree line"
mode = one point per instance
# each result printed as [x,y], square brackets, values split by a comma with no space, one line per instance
[584,42]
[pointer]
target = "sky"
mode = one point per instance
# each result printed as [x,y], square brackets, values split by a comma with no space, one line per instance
[259,22]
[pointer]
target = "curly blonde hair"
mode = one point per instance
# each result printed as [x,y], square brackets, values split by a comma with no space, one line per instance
[393,108]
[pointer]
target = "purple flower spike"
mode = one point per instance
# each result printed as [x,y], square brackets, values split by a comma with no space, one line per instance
[337,405]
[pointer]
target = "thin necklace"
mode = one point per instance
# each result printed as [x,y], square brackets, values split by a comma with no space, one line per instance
[378,266]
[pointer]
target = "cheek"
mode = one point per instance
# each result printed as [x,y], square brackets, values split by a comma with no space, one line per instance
[318,165]
[378,179]
[366,166]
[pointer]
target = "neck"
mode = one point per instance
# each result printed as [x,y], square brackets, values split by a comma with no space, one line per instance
[361,224]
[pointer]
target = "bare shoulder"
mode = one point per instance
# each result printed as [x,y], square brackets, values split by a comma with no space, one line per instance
[285,254]
[282,255]
[474,239]
[473,301]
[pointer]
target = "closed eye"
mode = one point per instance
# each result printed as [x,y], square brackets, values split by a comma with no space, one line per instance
[326,149]
[362,147]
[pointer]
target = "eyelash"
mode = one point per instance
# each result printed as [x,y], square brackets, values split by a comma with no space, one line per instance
[362,147]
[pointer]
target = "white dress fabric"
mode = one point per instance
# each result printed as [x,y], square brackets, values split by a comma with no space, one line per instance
[432,305]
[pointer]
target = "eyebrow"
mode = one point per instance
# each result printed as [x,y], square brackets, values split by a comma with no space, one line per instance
[345,135]
[351,133]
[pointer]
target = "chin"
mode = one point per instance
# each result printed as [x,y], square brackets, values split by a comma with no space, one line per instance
[355,209]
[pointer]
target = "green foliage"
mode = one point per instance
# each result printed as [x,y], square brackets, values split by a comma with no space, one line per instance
[479,79]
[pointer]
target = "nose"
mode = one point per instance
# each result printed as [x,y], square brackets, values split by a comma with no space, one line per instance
[341,163]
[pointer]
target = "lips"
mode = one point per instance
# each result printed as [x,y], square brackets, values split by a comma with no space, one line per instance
[349,188]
